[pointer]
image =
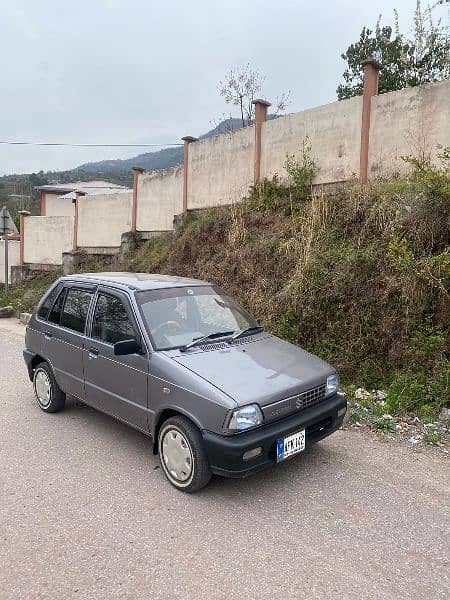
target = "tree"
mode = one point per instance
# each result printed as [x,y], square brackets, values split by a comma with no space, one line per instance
[241,86]
[421,57]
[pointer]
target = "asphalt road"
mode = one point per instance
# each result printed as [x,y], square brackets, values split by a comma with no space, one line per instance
[85,513]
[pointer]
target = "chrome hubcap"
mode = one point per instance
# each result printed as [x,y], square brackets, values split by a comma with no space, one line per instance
[177,455]
[42,386]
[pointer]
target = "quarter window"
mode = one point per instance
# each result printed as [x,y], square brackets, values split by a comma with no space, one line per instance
[55,315]
[45,307]
[75,309]
[111,323]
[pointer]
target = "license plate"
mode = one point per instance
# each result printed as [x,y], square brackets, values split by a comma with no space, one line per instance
[290,445]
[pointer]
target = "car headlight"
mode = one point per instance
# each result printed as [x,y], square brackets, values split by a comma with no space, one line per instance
[245,417]
[332,384]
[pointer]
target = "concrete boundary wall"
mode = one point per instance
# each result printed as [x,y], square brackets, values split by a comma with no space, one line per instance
[160,195]
[363,137]
[220,168]
[411,121]
[46,238]
[56,206]
[13,257]
[333,130]
[102,218]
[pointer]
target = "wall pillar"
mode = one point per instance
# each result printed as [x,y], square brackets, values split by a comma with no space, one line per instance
[42,202]
[371,75]
[78,194]
[70,262]
[261,107]
[136,172]
[22,215]
[187,140]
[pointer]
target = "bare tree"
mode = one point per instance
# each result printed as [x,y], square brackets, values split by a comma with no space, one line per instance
[282,102]
[241,86]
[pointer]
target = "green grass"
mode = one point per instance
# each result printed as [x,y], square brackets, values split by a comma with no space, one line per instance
[25,296]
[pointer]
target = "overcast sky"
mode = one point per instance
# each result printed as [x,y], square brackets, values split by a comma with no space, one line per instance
[141,71]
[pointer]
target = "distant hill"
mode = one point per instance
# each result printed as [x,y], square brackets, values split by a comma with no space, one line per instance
[154,161]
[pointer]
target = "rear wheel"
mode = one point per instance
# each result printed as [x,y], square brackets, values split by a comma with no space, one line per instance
[182,455]
[48,394]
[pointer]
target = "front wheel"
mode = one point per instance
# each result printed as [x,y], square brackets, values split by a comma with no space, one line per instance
[48,394]
[182,455]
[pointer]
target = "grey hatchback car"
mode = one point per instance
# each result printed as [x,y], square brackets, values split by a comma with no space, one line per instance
[181,361]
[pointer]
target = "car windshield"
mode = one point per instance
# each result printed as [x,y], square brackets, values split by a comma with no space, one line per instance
[175,317]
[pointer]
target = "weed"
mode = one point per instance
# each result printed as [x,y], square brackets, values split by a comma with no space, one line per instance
[385,423]
[301,173]
[432,437]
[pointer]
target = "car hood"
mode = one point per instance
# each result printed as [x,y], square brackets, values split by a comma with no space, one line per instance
[263,369]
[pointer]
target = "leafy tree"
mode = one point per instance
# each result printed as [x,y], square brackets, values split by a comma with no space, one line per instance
[36,179]
[421,57]
[241,86]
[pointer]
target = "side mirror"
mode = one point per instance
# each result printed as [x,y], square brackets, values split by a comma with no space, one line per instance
[127,347]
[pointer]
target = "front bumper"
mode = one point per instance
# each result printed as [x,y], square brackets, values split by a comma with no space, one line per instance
[225,452]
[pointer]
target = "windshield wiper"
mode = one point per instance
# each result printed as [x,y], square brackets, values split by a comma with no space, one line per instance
[203,338]
[238,334]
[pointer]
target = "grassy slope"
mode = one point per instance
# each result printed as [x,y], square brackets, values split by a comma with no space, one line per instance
[360,278]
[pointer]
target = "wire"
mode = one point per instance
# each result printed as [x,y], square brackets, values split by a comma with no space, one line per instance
[87,145]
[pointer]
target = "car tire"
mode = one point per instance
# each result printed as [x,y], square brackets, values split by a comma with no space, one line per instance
[49,395]
[182,455]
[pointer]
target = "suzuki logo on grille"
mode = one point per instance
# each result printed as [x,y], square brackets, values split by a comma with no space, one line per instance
[299,402]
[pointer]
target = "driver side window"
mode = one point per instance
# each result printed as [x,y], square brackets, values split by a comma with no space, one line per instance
[111,323]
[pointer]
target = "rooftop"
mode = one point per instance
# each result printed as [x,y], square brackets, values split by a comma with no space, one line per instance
[137,281]
[88,187]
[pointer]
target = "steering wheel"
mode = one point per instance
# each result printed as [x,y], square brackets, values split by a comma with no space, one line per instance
[166,324]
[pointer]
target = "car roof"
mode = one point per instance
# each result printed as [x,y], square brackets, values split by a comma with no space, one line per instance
[135,281]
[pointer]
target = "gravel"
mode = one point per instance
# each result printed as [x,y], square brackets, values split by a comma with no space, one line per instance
[85,513]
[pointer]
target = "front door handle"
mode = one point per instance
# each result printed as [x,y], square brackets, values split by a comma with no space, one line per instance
[93,353]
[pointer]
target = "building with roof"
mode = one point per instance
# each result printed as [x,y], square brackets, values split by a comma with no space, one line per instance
[57,199]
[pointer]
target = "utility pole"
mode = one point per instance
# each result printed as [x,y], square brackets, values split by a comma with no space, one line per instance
[6,227]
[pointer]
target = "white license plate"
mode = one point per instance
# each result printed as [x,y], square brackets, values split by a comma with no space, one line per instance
[290,445]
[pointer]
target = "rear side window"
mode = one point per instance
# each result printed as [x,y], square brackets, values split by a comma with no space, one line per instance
[55,314]
[111,323]
[45,307]
[76,306]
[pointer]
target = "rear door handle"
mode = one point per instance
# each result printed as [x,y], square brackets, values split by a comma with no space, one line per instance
[93,353]
[48,335]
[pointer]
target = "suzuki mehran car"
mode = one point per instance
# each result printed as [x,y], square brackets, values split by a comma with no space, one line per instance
[181,361]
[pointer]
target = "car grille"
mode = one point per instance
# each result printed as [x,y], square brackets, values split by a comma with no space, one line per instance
[313,396]
[294,403]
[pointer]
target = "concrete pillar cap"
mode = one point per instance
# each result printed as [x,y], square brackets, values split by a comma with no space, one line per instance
[137,169]
[261,101]
[372,61]
[25,213]
[189,138]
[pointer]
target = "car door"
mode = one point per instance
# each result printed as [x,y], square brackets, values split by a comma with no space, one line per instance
[64,337]
[116,385]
